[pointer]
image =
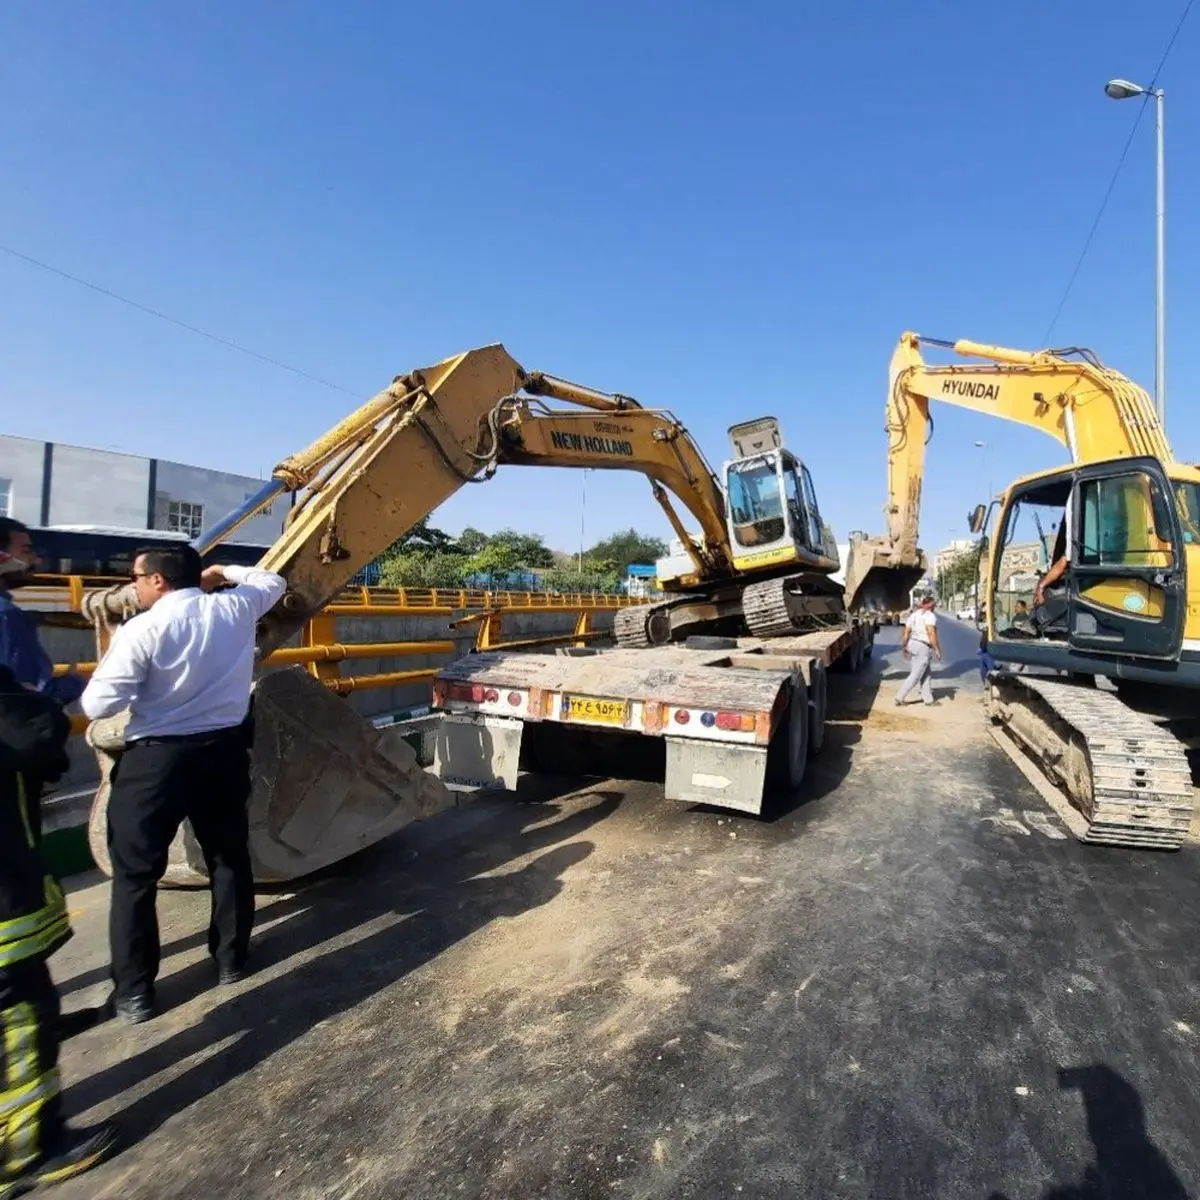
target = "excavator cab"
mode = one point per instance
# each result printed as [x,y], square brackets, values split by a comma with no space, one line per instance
[1124,589]
[772,506]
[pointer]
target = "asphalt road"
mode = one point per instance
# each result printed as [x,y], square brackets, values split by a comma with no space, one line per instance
[905,982]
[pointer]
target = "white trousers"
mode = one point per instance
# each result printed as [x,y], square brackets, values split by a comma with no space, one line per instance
[919,673]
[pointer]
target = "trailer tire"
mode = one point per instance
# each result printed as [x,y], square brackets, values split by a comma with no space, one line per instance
[787,755]
[817,705]
[851,660]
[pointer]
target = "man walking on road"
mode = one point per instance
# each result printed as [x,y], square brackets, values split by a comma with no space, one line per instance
[919,641]
[184,668]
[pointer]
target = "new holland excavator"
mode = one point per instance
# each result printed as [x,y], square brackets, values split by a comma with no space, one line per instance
[1095,663]
[327,782]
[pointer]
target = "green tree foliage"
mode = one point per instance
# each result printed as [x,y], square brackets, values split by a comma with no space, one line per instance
[959,576]
[427,557]
[471,541]
[422,569]
[618,552]
[571,579]
[423,536]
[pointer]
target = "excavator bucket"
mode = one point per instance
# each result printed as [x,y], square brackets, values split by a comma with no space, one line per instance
[878,577]
[325,783]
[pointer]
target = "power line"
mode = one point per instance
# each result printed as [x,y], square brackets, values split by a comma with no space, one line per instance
[1112,183]
[162,316]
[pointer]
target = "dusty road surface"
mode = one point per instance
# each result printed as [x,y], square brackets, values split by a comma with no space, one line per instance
[906,983]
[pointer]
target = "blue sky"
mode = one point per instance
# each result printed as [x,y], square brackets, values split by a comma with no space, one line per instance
[723,209]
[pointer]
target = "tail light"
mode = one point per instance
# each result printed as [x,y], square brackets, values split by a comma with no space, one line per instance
[735,722]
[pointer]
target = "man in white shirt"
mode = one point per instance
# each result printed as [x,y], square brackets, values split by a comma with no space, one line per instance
[183,667]
[919,641]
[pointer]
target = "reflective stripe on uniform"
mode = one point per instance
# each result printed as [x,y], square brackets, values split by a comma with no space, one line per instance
[25,1091]
[38,932]
[54,929]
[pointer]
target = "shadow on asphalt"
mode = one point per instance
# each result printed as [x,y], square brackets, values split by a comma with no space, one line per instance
[1128,1166]
[425,888]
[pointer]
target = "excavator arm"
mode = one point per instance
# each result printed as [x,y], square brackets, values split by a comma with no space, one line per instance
[371,478]
[1095,412]
[326,782]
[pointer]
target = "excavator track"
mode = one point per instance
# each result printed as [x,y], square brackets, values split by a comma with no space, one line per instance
[766,608]
[645,624]
[1126,774]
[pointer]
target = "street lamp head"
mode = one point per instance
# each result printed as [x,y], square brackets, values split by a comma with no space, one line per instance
[980,445]
[1122,89]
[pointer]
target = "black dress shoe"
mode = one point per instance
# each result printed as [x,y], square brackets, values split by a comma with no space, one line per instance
[79,1150]
[228,975]
[133,1010]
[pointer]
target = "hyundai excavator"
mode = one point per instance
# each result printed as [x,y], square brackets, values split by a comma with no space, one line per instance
[327,782]
[1104,647]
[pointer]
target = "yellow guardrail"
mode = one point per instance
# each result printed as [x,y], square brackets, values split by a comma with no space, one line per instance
[323,655]
[65,593]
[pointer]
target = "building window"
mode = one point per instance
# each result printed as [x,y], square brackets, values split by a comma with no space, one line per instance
[186,518]
[5,497]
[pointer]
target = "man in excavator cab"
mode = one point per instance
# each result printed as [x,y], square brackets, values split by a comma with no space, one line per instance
[1050,610]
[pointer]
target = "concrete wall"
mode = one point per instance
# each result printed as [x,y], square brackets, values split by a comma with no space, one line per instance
[21,466]
[98,487]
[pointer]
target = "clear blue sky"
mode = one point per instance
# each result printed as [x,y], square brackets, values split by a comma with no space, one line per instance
[723,209]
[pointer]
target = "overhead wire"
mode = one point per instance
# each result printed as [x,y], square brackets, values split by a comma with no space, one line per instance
[1112,183]
[228,343]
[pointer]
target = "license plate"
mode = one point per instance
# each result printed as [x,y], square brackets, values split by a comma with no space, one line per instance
[596,709]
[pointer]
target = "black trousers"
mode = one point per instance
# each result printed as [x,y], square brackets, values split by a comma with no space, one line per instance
[31,1117]
[157,784]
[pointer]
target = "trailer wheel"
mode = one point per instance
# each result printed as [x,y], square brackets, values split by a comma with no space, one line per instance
[817,692]
[787,755]
[851,660]
[869,643]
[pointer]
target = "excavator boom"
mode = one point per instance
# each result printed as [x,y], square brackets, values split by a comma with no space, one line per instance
[371,478]
[1092,410]
[326,782]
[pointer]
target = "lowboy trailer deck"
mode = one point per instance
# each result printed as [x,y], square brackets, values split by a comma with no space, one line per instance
[739,716]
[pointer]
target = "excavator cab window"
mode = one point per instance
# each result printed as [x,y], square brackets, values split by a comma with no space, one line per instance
[1031,536]
[756,501]
[815,534]
[1187,501]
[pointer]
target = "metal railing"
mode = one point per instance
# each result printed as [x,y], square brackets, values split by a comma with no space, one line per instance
[64,593]
[322,654]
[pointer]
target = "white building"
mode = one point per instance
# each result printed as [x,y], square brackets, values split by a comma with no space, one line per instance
[55,486]
[947,554]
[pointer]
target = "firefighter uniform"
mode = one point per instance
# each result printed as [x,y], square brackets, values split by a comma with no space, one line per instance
[35,1144]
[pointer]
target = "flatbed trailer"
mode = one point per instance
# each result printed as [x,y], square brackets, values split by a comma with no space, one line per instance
[739,717]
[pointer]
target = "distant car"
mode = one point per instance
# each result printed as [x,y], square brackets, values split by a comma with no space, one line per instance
[966,614]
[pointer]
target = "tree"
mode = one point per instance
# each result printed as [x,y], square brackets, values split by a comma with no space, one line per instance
[570,579]
[422,569]
[526,550]
[961,573]
[471,540]
[422,536]
[620,550]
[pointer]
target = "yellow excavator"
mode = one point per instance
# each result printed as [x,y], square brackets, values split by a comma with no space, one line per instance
[327,782]
[1102,646]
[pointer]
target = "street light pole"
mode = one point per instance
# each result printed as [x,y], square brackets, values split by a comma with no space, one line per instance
[1160,293]
[1122,89]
